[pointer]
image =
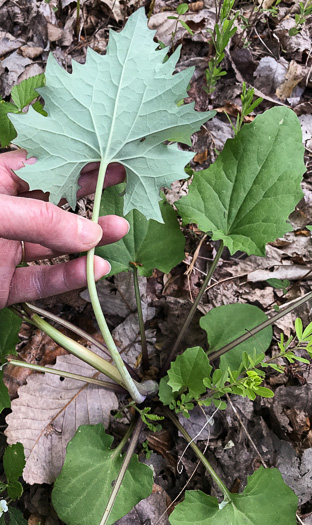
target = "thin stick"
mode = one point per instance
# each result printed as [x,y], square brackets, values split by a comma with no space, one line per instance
[128,455]
[193,310]
[145,360]
[70,375]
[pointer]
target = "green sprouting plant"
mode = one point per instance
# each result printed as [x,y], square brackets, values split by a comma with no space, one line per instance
[273,10]
[181,10]
[220,37]
[147,451]
[301,18]
[279,284]
[242,202]
[22,95]
[248,105]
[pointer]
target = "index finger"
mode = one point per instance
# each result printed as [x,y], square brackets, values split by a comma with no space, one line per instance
[115,174]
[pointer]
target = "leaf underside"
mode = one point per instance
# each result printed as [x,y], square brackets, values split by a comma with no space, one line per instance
[246,196]
[119,107]
[82,490]
[149,244]
[266,499]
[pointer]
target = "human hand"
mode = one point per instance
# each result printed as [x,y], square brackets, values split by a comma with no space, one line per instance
[48,231]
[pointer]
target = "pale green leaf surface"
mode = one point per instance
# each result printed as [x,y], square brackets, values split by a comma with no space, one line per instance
[188,370]
[9,327]
[225,323]
[82,490]
[118,107]
[246,196]
[150,244]
[24,93]
[14,461]
[266,500]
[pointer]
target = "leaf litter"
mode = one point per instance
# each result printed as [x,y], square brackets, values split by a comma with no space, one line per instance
[274,434]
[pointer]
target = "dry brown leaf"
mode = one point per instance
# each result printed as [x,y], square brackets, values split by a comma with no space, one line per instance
[116,9]
[48,412]
[199,22]
[54,33]
[294,75]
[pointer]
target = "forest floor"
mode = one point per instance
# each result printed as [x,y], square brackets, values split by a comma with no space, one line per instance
[277,431]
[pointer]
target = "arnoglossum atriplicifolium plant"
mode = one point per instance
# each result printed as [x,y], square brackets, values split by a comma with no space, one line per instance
[121,107]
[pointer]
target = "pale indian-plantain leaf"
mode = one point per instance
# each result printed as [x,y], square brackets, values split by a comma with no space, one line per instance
[148,244]
[119,107]
[265,500]
[246,196]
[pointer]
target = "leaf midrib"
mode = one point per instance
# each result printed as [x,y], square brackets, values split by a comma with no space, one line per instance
[232,225]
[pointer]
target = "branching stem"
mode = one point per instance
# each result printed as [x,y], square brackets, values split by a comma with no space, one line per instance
[200,455]
[78,350]
[193,309]
[131,385]
[70,326]
[145,360]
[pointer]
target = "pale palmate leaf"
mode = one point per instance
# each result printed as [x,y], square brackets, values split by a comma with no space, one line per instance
[119,107]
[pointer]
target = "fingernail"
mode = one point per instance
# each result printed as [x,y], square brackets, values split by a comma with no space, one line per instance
[99,264]
[110,267]
[128,226]
[89,233]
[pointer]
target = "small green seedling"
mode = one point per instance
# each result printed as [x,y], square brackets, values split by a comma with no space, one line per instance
[181,10]
[220,38]
[301,18]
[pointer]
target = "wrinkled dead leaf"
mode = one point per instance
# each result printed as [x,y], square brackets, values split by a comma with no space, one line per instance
[48,412]
[296,45]
[8,43]
[270,74]
[294,75]
[198,22]
[15,65]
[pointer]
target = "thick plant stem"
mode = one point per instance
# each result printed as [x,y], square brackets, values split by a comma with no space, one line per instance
[200,455]
[70,375]
[131,385]
[78,350]
[145,361]
[128,455]
[193,309]
[73,328]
